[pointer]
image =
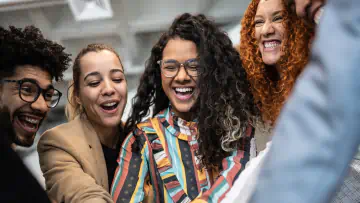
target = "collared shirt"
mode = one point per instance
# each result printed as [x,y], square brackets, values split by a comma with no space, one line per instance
[170,166]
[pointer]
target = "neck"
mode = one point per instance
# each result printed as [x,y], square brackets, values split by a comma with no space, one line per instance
[108,136]
[273,72]
[188,116]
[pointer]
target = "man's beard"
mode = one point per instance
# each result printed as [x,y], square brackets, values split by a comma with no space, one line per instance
[6,126]
[23,142]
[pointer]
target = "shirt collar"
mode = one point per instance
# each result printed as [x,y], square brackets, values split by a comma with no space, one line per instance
[184,130]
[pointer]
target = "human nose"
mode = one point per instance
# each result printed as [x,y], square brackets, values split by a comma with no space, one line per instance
[40,104]
[267,29]
[108,88]
[182,75]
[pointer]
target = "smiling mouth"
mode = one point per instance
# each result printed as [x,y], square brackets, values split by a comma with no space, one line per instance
[110,106]
[271,45]
[317,14]
[28,123]
[184,93]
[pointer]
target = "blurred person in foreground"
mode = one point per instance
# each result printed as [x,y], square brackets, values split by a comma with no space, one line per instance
[318,131]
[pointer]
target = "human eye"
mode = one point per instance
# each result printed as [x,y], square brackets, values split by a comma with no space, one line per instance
[278,18]
[28,89]
[118,80]
[49,94]
[94,83]
[170,67]
[258,22]
[193,65]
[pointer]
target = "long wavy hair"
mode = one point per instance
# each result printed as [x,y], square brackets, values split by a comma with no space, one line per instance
[224,107]
[271,91]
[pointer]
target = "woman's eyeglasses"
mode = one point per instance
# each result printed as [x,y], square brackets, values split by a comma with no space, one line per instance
[170,68]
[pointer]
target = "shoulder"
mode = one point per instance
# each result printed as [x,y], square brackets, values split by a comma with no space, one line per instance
[146,127]
[143,132]
[63,136]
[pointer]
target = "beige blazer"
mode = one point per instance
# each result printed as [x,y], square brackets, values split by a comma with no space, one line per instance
[73,163]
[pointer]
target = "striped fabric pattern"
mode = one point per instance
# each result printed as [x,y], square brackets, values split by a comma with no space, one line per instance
[166,165]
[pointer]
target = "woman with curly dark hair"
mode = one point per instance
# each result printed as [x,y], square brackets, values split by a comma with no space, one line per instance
[274,48]
[198,140]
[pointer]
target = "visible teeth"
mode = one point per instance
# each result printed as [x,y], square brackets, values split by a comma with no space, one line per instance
[109,104]
[184,89]
[271,44]
[318,15]
[31,120]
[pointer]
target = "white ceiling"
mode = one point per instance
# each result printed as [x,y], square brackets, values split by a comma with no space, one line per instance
[132,31]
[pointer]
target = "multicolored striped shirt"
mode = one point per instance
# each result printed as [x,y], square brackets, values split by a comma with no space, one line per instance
[166,164]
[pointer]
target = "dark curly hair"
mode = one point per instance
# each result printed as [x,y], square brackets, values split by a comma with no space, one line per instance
[28,47]
[270,91]
[224,107]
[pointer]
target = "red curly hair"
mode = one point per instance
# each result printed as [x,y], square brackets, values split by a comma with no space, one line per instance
[270,94]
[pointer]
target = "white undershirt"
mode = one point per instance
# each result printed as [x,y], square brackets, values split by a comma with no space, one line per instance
[244,185]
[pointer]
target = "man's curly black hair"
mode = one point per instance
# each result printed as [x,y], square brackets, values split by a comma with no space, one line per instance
[224,107]
[29,47]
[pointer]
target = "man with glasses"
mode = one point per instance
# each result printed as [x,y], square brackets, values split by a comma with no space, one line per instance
[318,132]
[29,64]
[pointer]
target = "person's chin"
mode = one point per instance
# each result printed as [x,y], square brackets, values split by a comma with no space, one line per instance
[183,107]
[271,61]
[111,122]
[24,140]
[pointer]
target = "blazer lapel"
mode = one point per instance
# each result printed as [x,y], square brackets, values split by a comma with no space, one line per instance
[96,152]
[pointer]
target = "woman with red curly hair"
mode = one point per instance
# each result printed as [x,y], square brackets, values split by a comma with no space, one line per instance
[274,49]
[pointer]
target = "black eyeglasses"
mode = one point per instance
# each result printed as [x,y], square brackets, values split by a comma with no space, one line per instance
[170,68]
[29,91]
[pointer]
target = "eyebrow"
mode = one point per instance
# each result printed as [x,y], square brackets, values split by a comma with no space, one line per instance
[116,70]
[170,60]
[173,60]
[91,74]
[274,14]
[49,86]
[97,73]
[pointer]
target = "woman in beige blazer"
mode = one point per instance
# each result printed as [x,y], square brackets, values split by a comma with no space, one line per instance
[78,158]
